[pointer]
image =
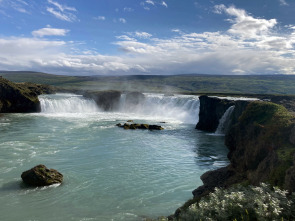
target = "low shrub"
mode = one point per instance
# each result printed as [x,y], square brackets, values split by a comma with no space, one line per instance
[243,203]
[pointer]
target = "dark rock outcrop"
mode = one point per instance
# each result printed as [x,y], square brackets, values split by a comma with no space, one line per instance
[134,98]
[135,126]
[21,97]
[106,100]
[211,110]
[41,176]
[261,149]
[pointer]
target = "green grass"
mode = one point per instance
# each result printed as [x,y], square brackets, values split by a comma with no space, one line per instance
[254,84]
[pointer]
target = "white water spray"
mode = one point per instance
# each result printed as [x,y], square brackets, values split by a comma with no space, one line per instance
[184,108]
[67,103]
[224,121]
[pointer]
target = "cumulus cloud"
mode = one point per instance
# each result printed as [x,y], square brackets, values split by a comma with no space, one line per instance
[244,24]
[62,12]
[237,50]
[48,31]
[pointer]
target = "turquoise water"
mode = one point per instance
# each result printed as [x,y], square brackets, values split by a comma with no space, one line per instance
[109,173]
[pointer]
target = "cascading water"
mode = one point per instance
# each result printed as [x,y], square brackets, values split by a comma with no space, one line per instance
[224,121]
[66,103]
[184,108]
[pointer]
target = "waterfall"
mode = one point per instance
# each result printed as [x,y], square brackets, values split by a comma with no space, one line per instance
[224,121]
[66,103]
[181,107]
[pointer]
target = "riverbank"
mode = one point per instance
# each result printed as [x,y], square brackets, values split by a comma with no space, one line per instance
[261,142]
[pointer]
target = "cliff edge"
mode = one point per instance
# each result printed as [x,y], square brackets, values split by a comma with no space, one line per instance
[21,97]
[261,143]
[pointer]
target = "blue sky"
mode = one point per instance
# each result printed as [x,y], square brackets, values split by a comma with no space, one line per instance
[122,37]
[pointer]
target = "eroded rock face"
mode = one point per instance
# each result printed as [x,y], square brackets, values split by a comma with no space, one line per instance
[211,110]
[134,98]
[106,100]
[20,97]
[292,136]
[40,175]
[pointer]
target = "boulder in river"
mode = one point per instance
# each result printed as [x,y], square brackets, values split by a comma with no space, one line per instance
[40,175]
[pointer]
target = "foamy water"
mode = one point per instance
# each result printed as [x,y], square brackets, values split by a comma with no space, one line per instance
[109,173]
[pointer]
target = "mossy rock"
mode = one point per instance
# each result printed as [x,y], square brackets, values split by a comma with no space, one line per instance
[40,175]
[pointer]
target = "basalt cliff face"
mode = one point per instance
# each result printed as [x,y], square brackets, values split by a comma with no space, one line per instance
[211,110]
[261,143]
[21,97]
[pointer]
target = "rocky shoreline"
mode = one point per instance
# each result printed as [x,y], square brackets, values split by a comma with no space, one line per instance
[261,142]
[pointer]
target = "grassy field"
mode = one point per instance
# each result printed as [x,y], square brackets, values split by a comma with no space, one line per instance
[242,84]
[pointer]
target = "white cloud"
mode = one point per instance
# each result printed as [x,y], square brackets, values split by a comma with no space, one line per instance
[126,9]
[150,2]
[259,50]
[164,4]
[142,34]
[49,32]
[18,5]
[244,24]
[62,12]
[283,2]
[101,18]
[62,7]
[122,20]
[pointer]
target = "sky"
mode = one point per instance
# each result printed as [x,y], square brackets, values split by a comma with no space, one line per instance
[148,37]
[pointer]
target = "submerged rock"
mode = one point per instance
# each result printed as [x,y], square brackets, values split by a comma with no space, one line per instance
[40,175]
[134,126]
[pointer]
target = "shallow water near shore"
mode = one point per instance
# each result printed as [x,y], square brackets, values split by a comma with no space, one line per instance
[109,173]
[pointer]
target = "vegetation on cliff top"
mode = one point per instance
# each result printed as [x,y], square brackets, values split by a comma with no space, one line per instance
[243,203]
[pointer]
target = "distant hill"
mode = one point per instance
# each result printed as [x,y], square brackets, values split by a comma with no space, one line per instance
[189,83]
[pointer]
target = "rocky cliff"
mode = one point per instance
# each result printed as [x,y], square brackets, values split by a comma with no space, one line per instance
[211,110]
[21,97]
[106,100]
[261,142]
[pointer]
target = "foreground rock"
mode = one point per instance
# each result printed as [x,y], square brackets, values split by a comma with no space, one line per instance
[127,126]
[41,176]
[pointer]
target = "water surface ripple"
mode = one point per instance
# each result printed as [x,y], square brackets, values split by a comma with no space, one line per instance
[109,173]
